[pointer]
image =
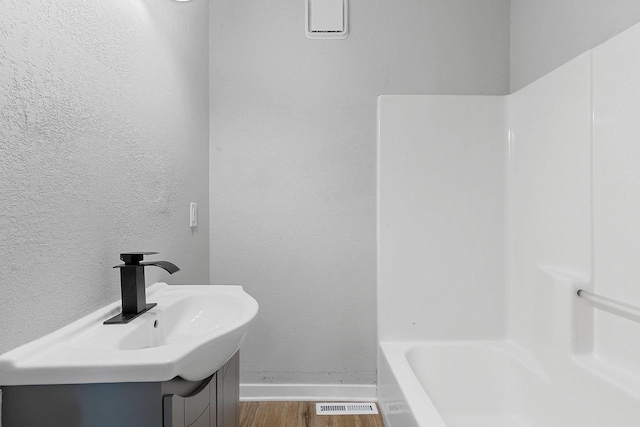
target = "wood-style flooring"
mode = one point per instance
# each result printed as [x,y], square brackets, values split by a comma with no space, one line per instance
[299,414]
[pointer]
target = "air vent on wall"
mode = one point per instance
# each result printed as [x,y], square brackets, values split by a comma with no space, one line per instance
[342,408]
[326,19]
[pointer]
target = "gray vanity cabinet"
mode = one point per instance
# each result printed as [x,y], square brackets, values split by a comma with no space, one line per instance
[212,403]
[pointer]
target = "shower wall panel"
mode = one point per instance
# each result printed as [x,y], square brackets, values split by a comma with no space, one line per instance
[549,219]
[616,178]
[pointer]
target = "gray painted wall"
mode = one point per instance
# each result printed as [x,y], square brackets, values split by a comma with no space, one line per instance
[293,162]
[547,33]
[103,144]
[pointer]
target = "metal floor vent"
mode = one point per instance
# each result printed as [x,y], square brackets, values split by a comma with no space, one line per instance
[342,408]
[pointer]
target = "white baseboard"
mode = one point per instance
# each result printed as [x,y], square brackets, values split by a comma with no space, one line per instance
[307,392]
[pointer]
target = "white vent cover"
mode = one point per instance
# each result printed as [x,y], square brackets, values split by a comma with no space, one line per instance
[342,408]
[327,19]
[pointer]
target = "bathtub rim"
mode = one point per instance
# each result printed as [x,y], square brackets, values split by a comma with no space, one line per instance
[424,411]
[422,408]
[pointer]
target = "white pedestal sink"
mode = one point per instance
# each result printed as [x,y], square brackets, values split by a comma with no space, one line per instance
[193,331]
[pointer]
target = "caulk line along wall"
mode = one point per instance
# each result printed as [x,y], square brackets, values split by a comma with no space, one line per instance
[103,144]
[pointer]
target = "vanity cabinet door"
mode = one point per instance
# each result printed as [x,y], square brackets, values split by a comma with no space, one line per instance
[197,406]
[203,421]
[198,410]
[216,405]
[175,418]
[83,405]
[229,393]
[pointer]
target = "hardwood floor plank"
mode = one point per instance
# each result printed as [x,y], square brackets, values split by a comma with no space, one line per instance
[299,414]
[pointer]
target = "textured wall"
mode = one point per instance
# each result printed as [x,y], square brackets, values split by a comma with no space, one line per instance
[103,144]
[293,163]
[547,33]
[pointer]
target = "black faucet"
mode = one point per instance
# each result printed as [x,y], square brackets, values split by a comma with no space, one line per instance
[134,300]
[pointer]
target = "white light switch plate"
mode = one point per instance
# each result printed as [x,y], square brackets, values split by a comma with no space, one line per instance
[193,215]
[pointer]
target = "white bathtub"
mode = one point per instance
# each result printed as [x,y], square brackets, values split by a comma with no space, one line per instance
[498,384]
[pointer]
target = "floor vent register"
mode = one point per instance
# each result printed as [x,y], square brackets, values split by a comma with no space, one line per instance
[342,408]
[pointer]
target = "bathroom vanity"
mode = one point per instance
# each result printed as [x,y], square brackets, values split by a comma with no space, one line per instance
[212,402]
[175,365]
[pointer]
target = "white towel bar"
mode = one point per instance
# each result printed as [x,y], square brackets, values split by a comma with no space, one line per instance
[611,305]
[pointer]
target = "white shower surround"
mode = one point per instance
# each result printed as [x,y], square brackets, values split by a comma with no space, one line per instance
[572,201]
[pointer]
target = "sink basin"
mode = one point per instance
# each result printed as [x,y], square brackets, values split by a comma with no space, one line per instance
[192,332]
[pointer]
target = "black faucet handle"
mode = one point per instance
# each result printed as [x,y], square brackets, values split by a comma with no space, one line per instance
[134,258]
